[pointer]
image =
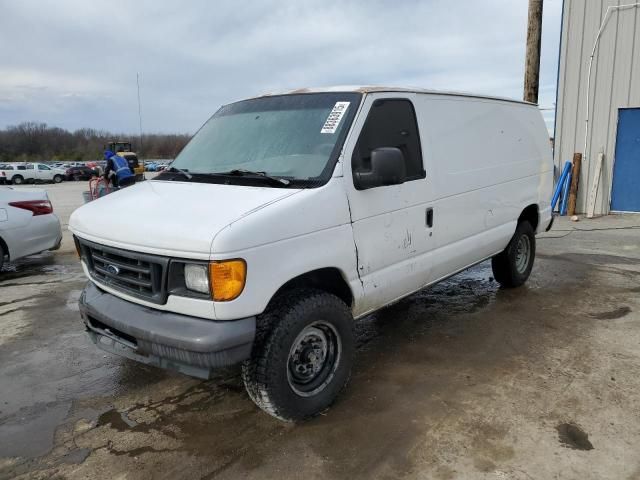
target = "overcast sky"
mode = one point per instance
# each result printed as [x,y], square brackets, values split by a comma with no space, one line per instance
[73,63]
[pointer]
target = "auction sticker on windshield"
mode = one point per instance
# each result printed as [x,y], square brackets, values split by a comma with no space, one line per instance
[333,120]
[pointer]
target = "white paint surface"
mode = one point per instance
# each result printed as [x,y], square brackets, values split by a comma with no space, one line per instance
[485,161]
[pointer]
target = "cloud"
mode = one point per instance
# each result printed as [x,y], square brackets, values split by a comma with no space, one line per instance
[73,63]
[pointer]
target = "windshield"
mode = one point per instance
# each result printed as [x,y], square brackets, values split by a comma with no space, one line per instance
[295,137]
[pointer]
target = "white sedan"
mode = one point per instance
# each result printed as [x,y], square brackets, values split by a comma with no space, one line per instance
[27,223]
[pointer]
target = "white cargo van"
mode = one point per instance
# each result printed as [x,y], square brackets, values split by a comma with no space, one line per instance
[288,216]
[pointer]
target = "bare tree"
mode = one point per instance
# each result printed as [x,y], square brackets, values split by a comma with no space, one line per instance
[33,141]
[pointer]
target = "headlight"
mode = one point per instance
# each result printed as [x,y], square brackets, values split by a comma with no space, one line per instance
[196,278]
[227,279]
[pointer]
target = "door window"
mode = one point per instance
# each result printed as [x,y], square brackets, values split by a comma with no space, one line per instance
[43,167]
[391,123]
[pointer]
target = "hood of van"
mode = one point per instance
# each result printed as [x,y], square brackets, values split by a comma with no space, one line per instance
[177,219]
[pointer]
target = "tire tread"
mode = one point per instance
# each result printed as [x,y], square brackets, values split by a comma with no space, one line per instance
[278,321]
[503,264]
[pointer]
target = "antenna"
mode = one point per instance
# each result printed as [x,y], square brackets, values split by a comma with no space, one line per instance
[139,112]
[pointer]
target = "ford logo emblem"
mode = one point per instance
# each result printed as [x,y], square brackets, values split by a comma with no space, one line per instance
[113,269]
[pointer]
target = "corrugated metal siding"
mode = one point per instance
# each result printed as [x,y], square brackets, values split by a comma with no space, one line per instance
[615,83]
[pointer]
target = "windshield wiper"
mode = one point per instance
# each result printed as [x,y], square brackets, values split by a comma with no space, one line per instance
[241,172]
[179,170]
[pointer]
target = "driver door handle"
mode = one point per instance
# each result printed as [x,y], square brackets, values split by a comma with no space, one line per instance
[429,217]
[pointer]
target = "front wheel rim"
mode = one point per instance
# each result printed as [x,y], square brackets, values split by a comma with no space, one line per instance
[523,254]
[314,358]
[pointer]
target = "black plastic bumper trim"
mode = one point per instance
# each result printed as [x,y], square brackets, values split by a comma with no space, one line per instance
[164,339]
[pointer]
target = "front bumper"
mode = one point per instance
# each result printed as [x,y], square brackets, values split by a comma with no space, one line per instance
[190,345]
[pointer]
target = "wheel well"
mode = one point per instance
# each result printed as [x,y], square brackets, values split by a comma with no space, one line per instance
[530,214]
[327,279]
[5,248]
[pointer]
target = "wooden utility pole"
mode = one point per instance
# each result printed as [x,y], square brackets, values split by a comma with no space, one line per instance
[575,181]
[532,63]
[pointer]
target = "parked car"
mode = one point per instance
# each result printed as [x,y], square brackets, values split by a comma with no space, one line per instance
[79,173]
[45,173]
[27,223]
[19,173]
[287,217]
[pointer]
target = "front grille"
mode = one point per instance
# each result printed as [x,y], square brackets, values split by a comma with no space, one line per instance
[137,274]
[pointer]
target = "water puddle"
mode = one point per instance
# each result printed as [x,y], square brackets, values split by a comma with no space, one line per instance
[465,293]
[76,456]
[117,420]
[40,269]
[26,266]
[32,434]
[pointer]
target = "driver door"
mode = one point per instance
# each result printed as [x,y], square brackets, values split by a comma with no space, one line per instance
[43,172]
[392,224]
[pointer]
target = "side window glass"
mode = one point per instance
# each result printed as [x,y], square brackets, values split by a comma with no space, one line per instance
[29,166]
[43,167]
[391,123]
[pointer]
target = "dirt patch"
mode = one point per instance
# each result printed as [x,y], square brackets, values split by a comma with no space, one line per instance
[600,259]
[572,436]
[612,314]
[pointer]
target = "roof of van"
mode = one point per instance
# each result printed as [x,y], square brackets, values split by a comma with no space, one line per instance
[375,88]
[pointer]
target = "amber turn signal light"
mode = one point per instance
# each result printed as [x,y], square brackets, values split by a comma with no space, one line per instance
[77,244]
[227,279]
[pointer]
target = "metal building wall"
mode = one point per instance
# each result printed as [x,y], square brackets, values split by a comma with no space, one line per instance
[615,83]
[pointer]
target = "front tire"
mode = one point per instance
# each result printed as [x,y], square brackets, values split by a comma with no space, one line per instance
[512,267]
[57,178]
[2,254]
[17,180]
[302,355]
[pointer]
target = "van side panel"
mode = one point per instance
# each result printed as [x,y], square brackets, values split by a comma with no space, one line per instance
[488,160]
[485,161]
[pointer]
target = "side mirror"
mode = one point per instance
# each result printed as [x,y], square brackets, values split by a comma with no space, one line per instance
[387,168]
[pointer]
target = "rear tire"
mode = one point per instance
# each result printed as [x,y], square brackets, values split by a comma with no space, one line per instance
[302,355]
[2,254]
[57,178]
[17,180]
[512,267]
